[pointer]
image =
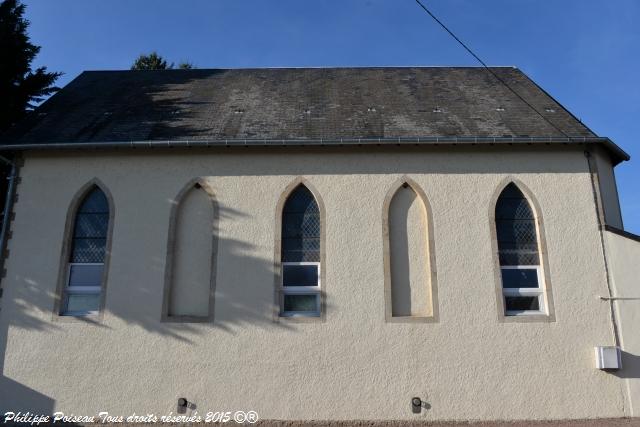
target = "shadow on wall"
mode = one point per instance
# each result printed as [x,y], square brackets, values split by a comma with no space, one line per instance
[167,112]
[138,301]
[32,301]
[630,366]
[16,397]
[400,251]
[23,399]
[238,302]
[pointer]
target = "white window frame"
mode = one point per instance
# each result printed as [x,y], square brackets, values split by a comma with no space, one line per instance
[299,290]
[525,292]
[80,290]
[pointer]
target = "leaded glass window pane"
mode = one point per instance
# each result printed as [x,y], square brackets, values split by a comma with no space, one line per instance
[519,254]
[516,229]
[301,227]
[90,229]
[82,295]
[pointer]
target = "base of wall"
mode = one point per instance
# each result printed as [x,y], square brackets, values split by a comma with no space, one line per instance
[600,422]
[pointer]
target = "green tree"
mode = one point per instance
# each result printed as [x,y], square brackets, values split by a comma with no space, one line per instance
[21,88]
[152,61]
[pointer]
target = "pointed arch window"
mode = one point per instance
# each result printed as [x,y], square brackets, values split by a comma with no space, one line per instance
[519,254]
[82,294]
[300,255]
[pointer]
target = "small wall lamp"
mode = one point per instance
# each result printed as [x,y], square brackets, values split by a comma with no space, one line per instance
[416,405]
[182,405]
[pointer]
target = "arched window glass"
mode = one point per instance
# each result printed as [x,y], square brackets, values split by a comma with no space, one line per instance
[82,294]
[519,254]
[300,257]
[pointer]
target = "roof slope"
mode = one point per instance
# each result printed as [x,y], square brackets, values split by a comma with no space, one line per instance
[295,103]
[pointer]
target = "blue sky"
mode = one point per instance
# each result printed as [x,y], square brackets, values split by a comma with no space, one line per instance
[586,53]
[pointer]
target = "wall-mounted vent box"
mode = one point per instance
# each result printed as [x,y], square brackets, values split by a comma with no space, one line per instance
[608,358]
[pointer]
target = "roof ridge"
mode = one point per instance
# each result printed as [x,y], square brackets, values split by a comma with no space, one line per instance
[356,67]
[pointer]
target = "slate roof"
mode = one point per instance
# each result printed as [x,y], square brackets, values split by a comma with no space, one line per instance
[282,103]
[295,104]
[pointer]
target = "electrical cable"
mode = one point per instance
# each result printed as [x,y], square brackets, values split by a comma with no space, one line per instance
[488,68]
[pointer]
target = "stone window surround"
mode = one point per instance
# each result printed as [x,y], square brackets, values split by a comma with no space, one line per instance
[388,313]
[65,253]
[542,248]
[277,266]
[169,259]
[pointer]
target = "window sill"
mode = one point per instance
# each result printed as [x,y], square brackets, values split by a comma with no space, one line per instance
[92,318]
[299,319]
[411,319]
[528,318]
[187,319]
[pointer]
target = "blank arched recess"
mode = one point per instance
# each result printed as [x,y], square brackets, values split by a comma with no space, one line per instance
[191,251]
[409,276]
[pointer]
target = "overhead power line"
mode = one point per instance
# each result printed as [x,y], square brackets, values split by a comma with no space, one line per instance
[497,77]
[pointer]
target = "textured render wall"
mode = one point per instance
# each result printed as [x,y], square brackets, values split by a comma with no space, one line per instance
[608,188]
[353,365]
[624,264]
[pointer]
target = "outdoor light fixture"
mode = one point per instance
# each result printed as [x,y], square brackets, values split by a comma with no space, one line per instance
[416,405]
[182,405]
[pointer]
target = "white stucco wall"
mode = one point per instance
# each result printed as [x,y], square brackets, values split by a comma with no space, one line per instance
[624,266]
[468,365]
[608,188]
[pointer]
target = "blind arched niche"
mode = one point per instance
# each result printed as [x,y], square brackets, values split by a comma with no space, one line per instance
[410,288]
[191,253]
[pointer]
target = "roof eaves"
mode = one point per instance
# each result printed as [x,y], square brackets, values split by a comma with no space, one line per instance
[618,154]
